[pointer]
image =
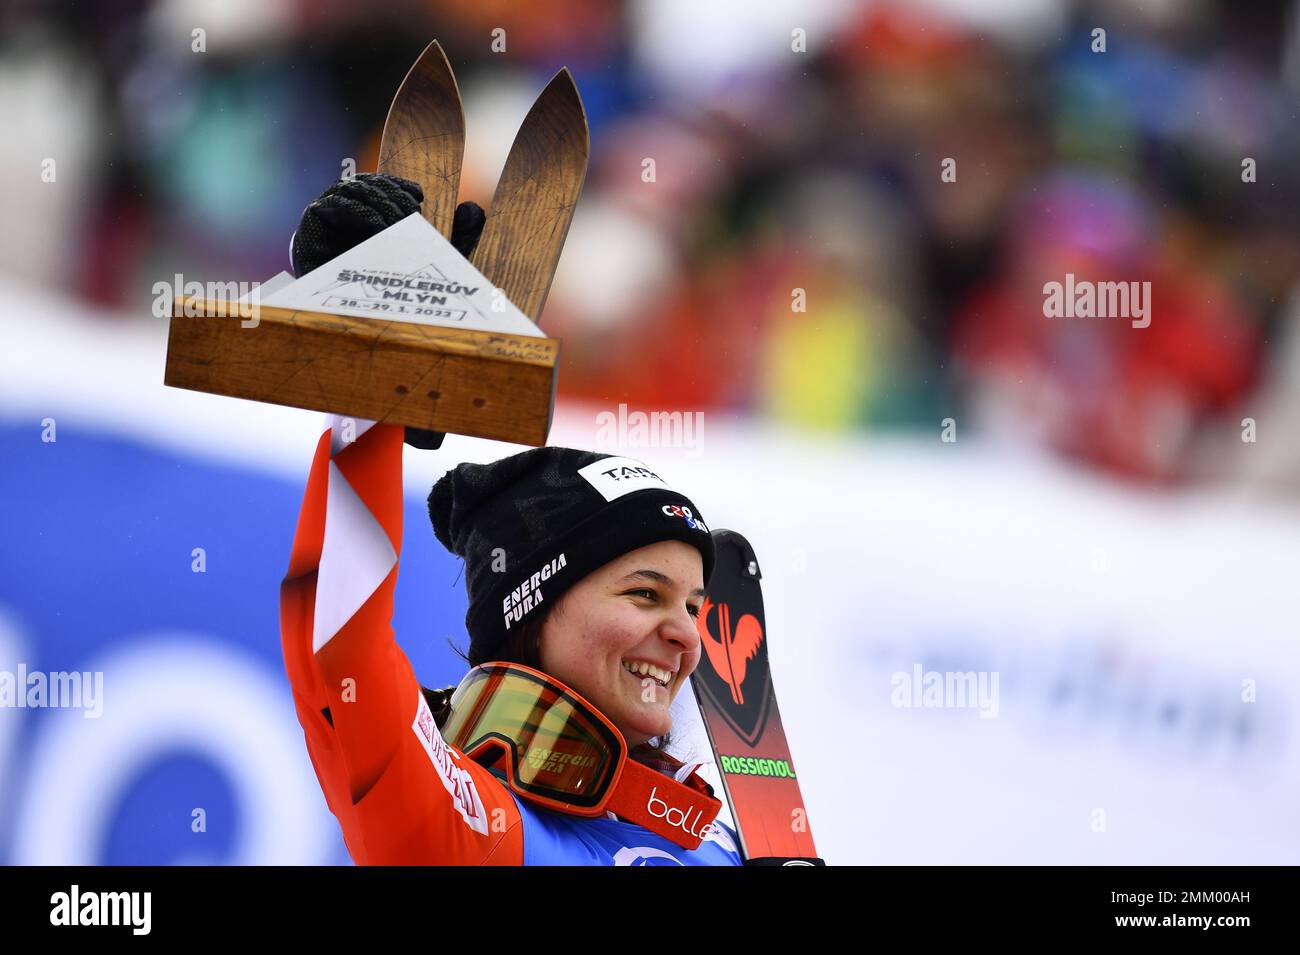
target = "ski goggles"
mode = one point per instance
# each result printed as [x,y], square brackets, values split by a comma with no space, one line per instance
[559,752]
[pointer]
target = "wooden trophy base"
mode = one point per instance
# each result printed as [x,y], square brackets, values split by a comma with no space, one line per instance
[484,384]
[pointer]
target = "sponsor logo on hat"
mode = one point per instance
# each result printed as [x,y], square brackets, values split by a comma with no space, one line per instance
[520,602]
[675,511]
[615,476]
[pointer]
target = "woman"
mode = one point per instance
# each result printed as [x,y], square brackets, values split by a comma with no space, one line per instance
[584,572]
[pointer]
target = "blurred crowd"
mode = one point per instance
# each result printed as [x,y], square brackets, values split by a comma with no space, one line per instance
[849,218]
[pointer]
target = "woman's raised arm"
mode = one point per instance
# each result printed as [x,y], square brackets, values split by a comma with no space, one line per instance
[400,794]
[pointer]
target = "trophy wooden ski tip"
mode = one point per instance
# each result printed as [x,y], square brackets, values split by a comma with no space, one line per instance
[535,198]
[424,135]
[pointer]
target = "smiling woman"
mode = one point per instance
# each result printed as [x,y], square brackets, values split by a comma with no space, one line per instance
[611,565]
[628,646]
[618,624]
[611,626]
[546,753]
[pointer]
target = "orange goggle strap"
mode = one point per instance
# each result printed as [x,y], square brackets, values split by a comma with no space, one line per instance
[680,813]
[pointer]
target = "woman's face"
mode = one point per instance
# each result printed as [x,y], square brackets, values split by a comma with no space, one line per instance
[637,609]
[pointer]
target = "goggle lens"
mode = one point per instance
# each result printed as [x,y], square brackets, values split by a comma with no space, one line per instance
[558,748]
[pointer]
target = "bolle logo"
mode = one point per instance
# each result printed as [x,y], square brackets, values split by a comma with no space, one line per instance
[684,512]
[678,818]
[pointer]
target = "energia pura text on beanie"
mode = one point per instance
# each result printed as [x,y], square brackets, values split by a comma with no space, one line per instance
[556,514]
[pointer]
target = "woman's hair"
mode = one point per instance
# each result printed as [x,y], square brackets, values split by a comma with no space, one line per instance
[525,646]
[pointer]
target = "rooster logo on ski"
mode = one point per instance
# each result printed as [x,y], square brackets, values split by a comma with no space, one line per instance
[732,639]
[732,650]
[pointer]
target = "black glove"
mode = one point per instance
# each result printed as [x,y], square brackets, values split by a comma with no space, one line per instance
[351,211]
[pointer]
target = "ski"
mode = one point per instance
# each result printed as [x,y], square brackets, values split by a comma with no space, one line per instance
[737,699]
[535,197]
[528,219]
[532,207]
[424,135]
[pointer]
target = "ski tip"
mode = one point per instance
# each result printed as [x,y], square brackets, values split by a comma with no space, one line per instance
[433,48]
[440,66]
[424,134]
[748,559]
[563,81]
[435,54]
[561,96]
[431,74]
[434,66]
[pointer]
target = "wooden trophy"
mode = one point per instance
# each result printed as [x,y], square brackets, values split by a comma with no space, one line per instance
[460,367]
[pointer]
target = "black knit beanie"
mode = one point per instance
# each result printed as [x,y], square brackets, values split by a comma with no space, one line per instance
[556,514]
